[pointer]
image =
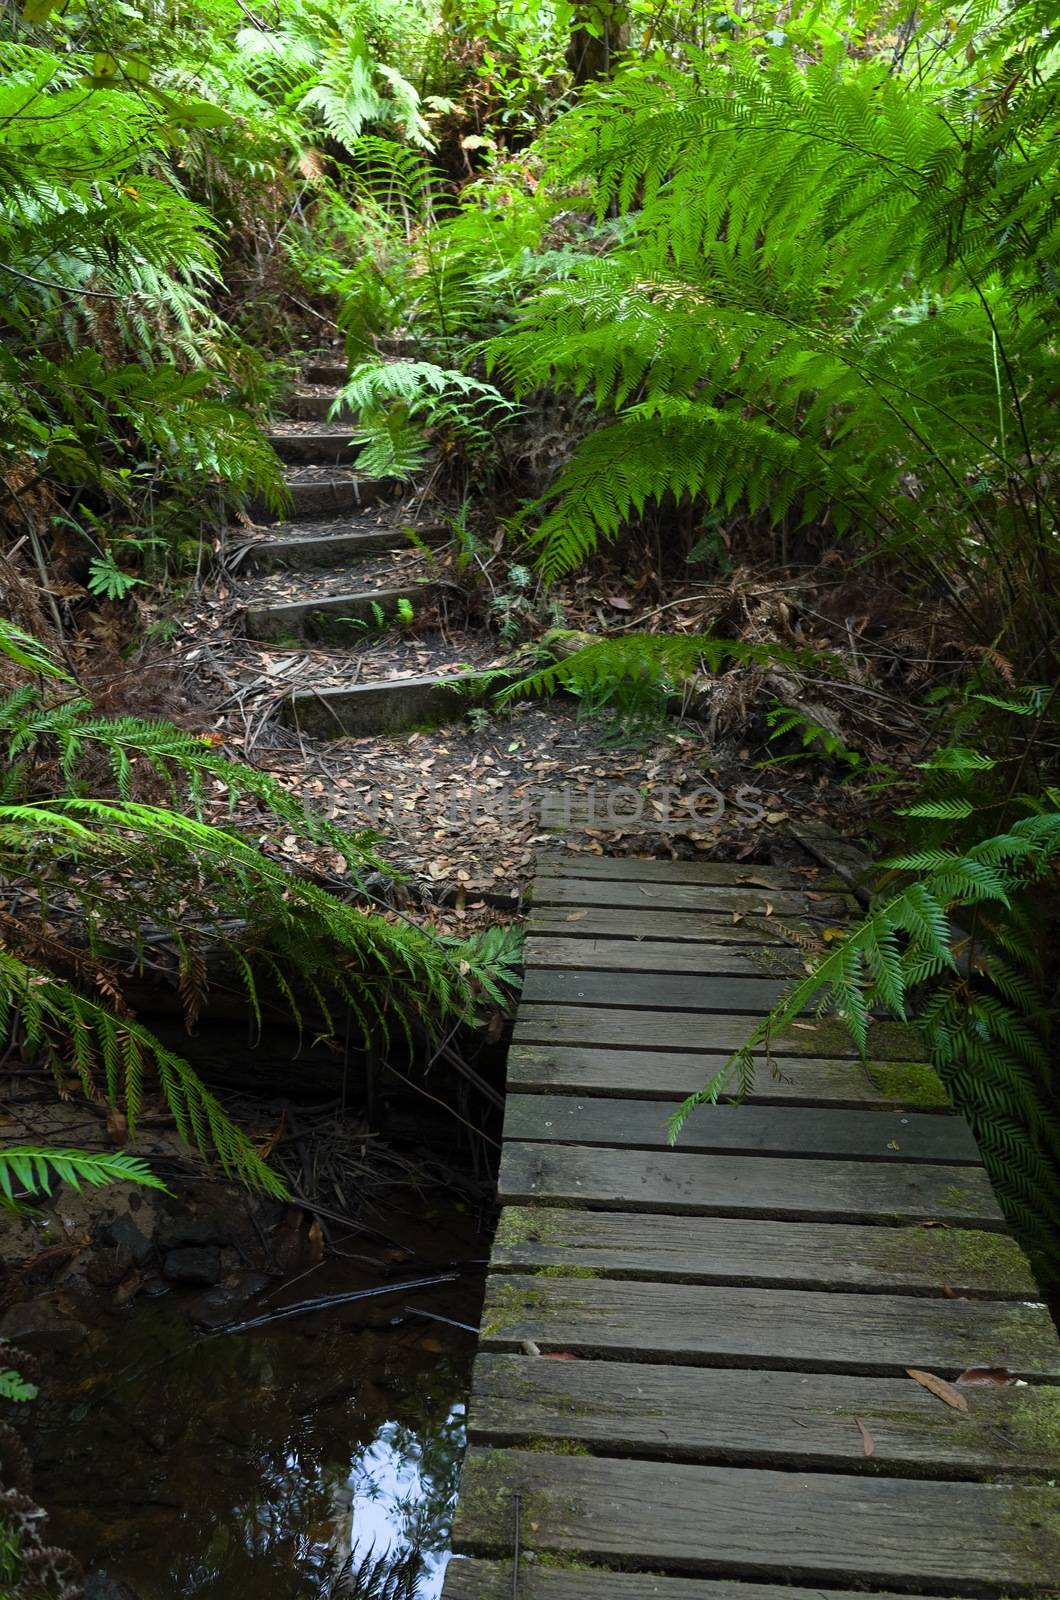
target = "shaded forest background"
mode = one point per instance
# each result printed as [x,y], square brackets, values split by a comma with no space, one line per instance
[749,315]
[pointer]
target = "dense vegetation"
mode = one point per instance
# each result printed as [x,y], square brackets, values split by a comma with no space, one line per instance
[788,276]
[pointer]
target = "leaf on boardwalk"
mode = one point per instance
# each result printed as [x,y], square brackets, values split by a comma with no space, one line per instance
[576,916]
[868,1443]
[939,1387]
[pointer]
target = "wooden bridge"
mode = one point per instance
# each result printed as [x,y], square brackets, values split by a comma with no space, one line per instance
[726,1371]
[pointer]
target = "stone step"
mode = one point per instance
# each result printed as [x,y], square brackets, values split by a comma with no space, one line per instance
[333,372]
[328,445]
[310,405]
[298,547]
[389,705]
[326,492]
[342,618]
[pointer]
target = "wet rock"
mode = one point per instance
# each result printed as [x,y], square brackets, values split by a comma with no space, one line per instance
[124,1234]
[173,1233]
[99,1587]
[41,1325]
[109,1266]
[227,1303]
[193,1264]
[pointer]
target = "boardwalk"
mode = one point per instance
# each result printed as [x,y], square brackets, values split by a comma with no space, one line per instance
[692,1380]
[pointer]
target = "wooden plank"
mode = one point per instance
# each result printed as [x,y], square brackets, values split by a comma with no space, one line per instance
[541,953]
[810,1527]
[725,898]
[722,1185]
[695,927]
[793,1329]
[676,991]
[637,1029]
[795,1419]
[673,1075]
[890,1136]
[649,869]
[807,1255]
[470,1579]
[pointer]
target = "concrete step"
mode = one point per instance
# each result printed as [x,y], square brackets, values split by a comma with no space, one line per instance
[328,445]
[333,372]
[298,547]
[343,618]
[326,493]
[390,705]
[311,405]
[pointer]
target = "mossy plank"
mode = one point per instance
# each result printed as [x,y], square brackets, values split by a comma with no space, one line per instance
[637,1029]
[894,1137]
[492,1580]
[651,870]
[681,897]
[675,1074]
[706,1325]
[874,1260]
[796,1189]
[816,1527]
[764,1418]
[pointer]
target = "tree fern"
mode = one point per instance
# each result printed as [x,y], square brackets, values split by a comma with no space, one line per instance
[984,1021]
[35,1169]
[100,878]
[830,276]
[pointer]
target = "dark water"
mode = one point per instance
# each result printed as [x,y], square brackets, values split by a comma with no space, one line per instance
[250,1466]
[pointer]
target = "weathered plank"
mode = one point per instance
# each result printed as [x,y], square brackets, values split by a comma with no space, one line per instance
[891,1136]
[541,953]
[676,991]
[673,1075]
[636,1029]
[691,927]
[794,1419]
[800,1330]
[800,1189]
[810,1527]
[805,1255]
[470,1579]
[724,898]
[649,869]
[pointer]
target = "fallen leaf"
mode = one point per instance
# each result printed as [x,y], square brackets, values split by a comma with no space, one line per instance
[997,1377]
[939,1387]
[868,1443]
[828,934]
[560,1355]
[576,916]
[620,602]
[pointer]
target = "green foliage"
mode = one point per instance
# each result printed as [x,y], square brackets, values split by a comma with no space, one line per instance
[14,1387]
[400,402]
[637,676]
[36,1169]
[96,879]
[959,941]
[831,303]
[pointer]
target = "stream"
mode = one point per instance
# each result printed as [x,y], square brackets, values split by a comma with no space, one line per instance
[254,1465]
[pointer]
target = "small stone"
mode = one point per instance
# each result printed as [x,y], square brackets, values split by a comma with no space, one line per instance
[200,1265]
[40,1325]
[98,1586]
[174,1232]
[108,1267]
[124,1233]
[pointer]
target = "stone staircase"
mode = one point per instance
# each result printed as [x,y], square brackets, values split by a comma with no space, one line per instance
[346,566]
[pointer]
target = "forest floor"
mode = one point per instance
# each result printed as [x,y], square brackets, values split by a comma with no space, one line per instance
[462,807]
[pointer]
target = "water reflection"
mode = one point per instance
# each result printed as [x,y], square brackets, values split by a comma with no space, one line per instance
[251,1467]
